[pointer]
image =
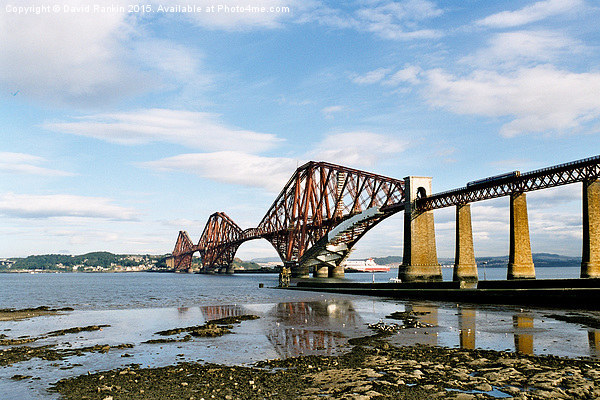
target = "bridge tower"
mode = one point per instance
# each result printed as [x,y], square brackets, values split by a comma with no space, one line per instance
[419,262]
[590,260]
[465,267]
[520,260]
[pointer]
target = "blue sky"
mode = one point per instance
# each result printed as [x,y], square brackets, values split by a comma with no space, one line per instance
[121,128]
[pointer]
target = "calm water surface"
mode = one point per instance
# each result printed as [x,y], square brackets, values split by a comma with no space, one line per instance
[136,305]
[97,291]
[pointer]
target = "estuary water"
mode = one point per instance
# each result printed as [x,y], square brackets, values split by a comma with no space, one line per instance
[292,323]
[103,291]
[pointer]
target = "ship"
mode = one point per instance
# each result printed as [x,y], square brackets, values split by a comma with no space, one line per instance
[364,266]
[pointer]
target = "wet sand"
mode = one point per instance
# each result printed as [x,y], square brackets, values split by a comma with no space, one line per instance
[11,314]
[357,349]
[372,369]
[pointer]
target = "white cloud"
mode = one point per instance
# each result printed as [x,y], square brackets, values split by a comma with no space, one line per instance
[62,205]
[394,20]
[193,129]
[173,63]
[535,12]
[555,198]
[513,49]
[371,77]
[89,58]
[20,163]
[328,112]
[391,19]
[539,99]
[232,167]
[67,57]
[408,74]
[358,149]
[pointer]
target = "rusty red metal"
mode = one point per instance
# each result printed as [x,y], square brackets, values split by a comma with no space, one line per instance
[320,196]
[317,198]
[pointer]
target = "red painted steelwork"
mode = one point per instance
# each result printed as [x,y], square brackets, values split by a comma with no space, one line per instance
[316,199]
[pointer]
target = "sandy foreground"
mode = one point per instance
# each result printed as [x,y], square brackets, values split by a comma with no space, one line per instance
[371,369]
[9,314]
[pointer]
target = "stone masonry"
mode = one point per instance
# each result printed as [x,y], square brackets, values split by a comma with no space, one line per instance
[520,261]
[419,262]
[465,267]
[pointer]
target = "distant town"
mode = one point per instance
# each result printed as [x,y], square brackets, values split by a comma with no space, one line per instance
[108,262]
[103,261]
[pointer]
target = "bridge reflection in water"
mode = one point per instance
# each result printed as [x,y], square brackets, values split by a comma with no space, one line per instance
[523,325]
[312,327]
[324,327]
[467,327]
[594,341]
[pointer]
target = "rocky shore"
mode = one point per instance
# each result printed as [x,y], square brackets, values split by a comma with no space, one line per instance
[372,369]
[11,314]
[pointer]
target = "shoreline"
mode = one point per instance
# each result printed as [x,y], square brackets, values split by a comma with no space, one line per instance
[372,369]
[418,361]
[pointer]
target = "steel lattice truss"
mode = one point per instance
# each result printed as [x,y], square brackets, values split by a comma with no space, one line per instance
[219,230]
[318,197]
[184,248]
[563,174]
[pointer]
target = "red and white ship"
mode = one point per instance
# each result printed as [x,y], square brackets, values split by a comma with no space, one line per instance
[365,266]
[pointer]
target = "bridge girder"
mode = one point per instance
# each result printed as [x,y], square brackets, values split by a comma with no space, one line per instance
[587,169]
[183,252]
[219,241]
[318,197]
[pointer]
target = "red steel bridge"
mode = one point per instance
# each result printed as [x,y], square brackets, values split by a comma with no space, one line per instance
[324,209]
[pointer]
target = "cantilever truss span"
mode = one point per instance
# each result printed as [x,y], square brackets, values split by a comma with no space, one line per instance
[318,198]
[324,209]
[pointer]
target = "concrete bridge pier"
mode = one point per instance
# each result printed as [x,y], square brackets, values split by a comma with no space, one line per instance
[520,261]
[419,261]
[229,269]
[321,271]
[590,260]
[297,270]
[337,272]
[465,267]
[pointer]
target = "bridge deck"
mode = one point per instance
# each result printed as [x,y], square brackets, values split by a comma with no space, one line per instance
[563,174]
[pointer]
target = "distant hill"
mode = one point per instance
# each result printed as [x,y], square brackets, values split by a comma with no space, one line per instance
[539,259]
[97,259]
[388,260]
[266,259]
[107,260]
[238,262]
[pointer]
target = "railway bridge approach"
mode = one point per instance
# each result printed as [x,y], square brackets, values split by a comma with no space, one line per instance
[324,209]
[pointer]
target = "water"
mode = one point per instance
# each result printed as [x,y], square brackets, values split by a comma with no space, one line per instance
[292,323]
[97,291]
